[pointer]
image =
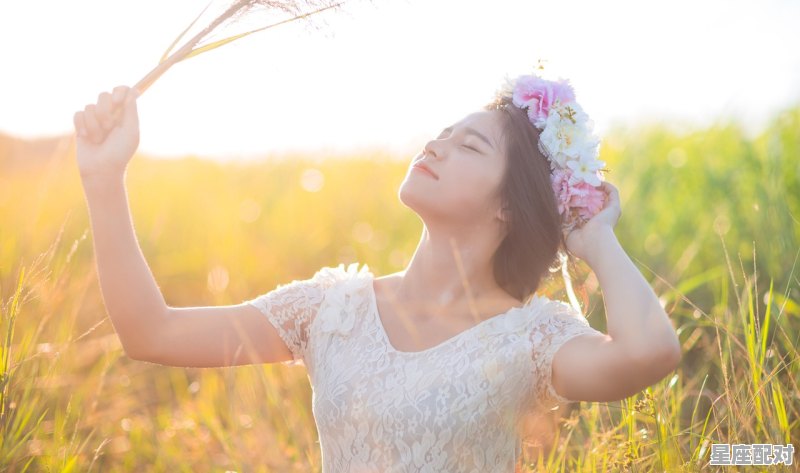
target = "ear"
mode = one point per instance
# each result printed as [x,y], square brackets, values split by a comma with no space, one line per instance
[503,214]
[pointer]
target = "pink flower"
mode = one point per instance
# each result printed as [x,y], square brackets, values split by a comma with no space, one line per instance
[586,199]
[539,94]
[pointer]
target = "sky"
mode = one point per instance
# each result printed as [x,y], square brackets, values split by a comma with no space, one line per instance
[389,75]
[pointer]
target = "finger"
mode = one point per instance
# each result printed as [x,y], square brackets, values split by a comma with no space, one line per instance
[80,126]
[614,192]
[118,99]
[119,93]
[610,188]
[613,198]
[96,133]
[103,111]
[131,114]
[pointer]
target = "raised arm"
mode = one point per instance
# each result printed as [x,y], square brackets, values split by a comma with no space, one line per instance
[149,329]
[641,347]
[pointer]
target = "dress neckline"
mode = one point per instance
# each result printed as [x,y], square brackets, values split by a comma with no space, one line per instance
[382,329]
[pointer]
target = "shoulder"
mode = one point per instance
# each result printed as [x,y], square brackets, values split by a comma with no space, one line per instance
[330,275]
[555,313]
[324,279]
[561,308]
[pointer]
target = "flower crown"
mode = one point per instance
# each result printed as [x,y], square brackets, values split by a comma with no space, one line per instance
[566,140]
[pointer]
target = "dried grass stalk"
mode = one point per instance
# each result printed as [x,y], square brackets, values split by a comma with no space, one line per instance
[294,9]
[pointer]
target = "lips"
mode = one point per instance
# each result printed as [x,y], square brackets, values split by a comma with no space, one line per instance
[426,168]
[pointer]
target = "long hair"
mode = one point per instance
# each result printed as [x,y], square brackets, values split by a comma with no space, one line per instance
[534,244]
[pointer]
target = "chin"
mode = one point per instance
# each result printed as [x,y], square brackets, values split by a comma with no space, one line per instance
[406,195]
[425,204]
[414,198]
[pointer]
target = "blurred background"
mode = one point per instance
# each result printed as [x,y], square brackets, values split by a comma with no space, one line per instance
[388,74]
[280,153]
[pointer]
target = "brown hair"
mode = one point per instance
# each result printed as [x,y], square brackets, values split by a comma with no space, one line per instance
[534,238]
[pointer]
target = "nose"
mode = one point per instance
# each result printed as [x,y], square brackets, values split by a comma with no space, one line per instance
[432,148]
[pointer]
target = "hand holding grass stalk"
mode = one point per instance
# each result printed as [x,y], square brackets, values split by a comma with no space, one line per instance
[108,131]
[106,141]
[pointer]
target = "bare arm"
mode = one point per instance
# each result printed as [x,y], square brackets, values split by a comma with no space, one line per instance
[149,329]
[132,299]
[641,346]
[105,145]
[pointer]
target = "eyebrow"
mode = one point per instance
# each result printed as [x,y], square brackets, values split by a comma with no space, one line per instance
[472,131]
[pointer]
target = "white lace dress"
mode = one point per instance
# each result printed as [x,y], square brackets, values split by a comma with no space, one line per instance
[451,408]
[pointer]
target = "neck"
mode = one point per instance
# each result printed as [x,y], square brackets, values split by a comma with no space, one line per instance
[449,271]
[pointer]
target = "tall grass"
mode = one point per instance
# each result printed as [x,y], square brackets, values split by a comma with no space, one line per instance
[709,216]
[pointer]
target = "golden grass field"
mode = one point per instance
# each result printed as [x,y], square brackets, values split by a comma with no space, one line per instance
[711,218]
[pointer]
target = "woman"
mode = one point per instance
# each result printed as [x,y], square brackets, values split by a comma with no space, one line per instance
[430,368]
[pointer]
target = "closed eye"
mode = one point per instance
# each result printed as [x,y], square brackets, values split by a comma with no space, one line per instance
[448,131]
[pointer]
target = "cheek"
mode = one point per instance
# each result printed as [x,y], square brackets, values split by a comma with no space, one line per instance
[465,192]
[482,180]
[471,191]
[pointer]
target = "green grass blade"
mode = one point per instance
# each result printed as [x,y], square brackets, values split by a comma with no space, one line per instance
[780,411]
[70,466]
[765,329]
[5,375]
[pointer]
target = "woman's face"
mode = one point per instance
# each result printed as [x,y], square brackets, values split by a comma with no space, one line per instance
[469,159]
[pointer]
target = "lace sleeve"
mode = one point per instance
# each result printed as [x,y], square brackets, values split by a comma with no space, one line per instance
[291,308]
[553,326]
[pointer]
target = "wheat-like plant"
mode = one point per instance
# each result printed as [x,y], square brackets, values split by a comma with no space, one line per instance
[287,10]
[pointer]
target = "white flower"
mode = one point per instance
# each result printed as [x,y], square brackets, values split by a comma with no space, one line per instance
[585,169]
[567,134]
[338,313]
[337,316]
